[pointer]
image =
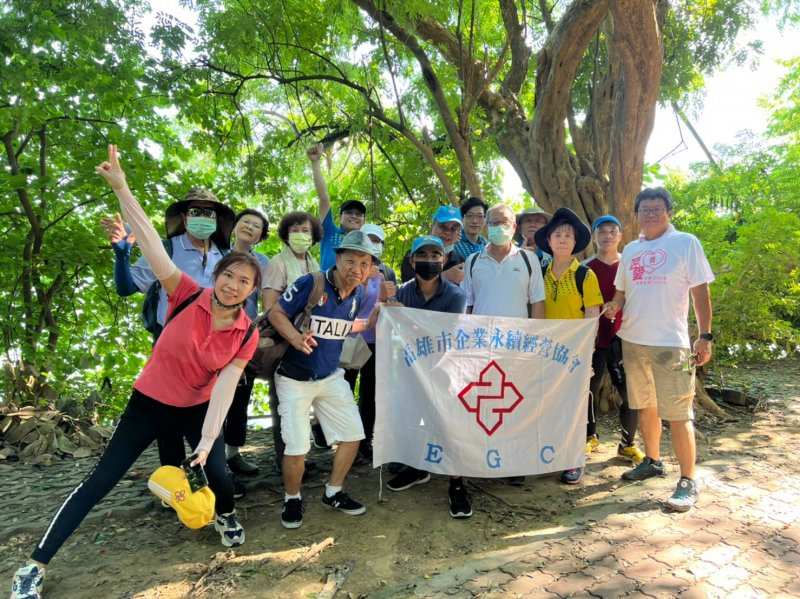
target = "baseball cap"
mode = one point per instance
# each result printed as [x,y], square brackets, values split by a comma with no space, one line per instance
[358,241]
[373,229]
[194,509]
[606,218]
[426,240]
[447,214]
[351,204]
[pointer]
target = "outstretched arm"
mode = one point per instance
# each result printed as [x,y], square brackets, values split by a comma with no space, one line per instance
[149,241]
[314,154]
[218,406]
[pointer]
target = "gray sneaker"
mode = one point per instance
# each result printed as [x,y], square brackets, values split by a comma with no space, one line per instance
[27,583]
[647,469]
[684,497]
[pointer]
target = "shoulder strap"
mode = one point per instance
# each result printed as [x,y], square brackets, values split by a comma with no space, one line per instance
[180,307]
[247,335]
[527,261]
[580,277]
[316,294]
[472,263]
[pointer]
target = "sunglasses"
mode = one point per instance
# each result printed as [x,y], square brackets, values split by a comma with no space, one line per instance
[207,212]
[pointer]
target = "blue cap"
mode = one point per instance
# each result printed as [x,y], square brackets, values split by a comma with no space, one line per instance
[426,240]
[447,214]
[606,218]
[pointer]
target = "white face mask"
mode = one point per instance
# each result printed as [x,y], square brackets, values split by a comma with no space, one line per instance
[500,234]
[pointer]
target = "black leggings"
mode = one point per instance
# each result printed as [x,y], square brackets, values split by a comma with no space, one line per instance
[366,396]
[235,430]
[143,421]
[610,358]
[277,438]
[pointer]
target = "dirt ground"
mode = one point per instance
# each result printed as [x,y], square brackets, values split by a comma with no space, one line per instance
[542,539]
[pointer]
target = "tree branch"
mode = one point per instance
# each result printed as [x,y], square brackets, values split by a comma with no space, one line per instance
[520,53]
[460,144]
[554,182]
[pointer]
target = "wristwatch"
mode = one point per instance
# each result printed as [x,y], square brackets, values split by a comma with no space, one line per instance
[707,336]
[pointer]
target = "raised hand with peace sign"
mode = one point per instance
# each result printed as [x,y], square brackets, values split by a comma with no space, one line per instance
[111,171]
[143,230]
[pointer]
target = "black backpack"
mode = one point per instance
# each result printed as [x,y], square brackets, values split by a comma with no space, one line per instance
[152,295]
[580,277]
[522,253]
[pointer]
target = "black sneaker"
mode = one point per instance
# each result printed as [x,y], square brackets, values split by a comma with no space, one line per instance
[344,503]
[647,469]
[241,466]
[460,506]
[292,514]
[684,497]
[407,479]
[572,476]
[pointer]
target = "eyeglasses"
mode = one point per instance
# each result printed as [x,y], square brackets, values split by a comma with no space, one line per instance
[207,212]
[352,213]
[651,211]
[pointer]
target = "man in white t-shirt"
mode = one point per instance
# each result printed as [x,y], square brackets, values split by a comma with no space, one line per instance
[503,279]
[657,274]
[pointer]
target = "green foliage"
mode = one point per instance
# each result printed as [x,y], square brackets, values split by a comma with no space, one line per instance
[234,106]
[747,215]
[75,76]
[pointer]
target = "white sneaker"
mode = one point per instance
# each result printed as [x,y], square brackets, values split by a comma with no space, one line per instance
[229,529]
[27,583]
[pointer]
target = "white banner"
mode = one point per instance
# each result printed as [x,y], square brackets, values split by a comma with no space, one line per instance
[481,396]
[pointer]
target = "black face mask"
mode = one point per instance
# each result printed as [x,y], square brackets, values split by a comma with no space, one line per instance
[427,270]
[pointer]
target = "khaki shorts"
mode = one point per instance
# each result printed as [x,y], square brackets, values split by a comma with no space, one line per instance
[658,377]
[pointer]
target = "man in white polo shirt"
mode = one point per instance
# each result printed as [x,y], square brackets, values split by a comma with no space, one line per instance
[503,279]
[655,278]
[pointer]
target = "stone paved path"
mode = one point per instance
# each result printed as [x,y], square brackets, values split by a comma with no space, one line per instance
[743,540]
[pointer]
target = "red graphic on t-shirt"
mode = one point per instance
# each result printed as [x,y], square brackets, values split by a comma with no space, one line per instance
[490,397]
[647,262]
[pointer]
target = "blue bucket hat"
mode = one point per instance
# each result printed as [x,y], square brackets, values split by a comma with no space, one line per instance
[606,218]
[424,241]
[447,214]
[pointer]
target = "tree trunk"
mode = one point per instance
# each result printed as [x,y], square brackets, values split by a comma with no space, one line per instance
[636,48]
[603,173]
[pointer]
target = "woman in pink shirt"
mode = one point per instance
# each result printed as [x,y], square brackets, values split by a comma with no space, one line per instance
[186,386]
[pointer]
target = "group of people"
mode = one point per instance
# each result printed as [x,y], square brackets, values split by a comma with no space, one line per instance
[202,293]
